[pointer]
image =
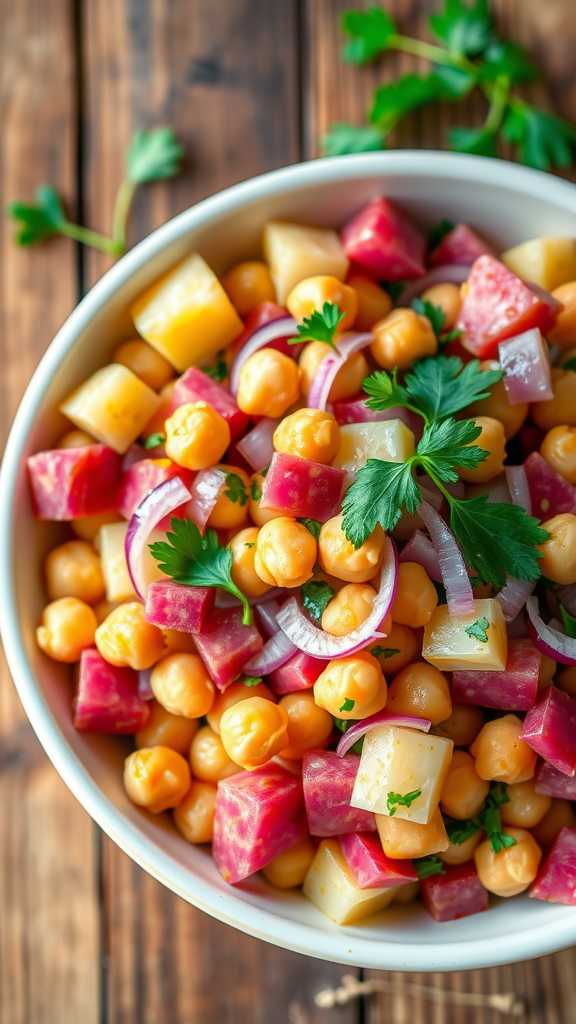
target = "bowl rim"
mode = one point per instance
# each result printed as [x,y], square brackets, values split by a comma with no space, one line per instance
[343,945]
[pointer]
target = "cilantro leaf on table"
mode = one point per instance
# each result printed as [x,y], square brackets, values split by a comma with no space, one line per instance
[236,490]
[348,704]
[370,32]
[378,494]
[479,630]
[188,557]
[312,525]
[449,443]
[568,621]
[43,219]
[320,326]
[344,138]
[497,539]
[542,138]
[396,800]
[153,156]
[425,867]
[466,30]
[316,596]
[154,441]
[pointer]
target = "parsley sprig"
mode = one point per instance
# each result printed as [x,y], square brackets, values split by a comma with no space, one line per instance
[468,55]
[188,557]
[396,800]
[437,319]
[320,325]
[488,819]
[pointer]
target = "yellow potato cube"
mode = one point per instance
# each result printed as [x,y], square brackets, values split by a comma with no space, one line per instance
[110,545]
[548,262]
[186,315]
[330,885]
[113,405]
[477,641]
[294,252]
[397,763]
[391,441]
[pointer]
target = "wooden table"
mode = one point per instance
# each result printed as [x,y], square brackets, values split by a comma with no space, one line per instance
[86,937]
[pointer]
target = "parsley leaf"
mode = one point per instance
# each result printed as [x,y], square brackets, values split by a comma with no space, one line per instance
[236,489]
[154,441]
[478,630]
[434,313]
[320,326]
[378,494]
[218,372]
[465,30]
[385,391]
[188,557]
[478,141]
[383,652]
[393,101]
[316,596]
[351,138]
[396,800]
[370,32]
[570,364]
[568,621]
[255,492]
[489,818]
[348,704]
[312,525]
[459,831]
[509,59]
[542,138]
[252,680]
[39,220]
[436,388]
[497,539]
[438,232]
[153,156]
[425,867]
[448,443]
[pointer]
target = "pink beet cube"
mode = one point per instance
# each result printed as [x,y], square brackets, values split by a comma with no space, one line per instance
[355,410]
[551,494]
[370,866]
[514,689]
[459,247]
[456,894]
[225,644]
[299,487]
[258,817]
[70,483]
[107,697]
[383,240]
[550,729]
[300,672]
[556,880]
[328,784]
[143,477]
[196,386]
[551,782]
[173,605]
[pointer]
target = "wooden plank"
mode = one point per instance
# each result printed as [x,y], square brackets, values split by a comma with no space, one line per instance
[49,969]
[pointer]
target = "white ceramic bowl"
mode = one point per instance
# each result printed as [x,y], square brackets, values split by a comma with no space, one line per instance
[508,204]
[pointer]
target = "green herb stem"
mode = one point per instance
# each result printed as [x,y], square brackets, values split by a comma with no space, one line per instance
[428,51]
[499,96]
[121,213]
[92,238]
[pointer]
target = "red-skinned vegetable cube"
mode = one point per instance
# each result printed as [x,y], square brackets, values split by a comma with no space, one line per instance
[328,784]
[300,672]
[459,246]
[514,689]
[552,782]
[556,879]
[355,410]
[384,241]
[258,816]
[262,314]
[550,493]
[70,483]
[370,866]
[550,729]
[456,894]
[196,386]
[225,644]
[299,487]
[107,697]
[142,477]
[172,605]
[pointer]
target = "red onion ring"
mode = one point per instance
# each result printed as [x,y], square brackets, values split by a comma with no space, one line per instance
[204,493]
[420,549]
[275,653]
[451,273]
[515,593]
[459,593]
[162,501]
[317,643]
[347,346]
[549,641]
[256,446]
[144,684]
[266,613]
[381,718]
[526,363]
[518,486]
[567,596]
[285,327]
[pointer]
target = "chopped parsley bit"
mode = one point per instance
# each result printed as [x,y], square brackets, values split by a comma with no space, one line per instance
[436,318]
[252,680]
[439,232]
[154,441]
[218,372]
[348,704]
[316,596]
[459,831]
[343,724]
[488,819]
[320,326]
[478,630]
[383,652]
[570,364]
[568,621]
[255,491]
[236,489]
[396,800]
[249,543]
[313,525]
[425,867]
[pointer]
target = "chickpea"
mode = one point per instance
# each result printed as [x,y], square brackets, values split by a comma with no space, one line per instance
[348,380]
[493,440]
[289,869]
[499,753]
[208,759]
[465,851]
[402,839]
[462,726]
[269,384]
[558,560]
[125,638]
[397,649]
[463,792]
[416,596]
[194,816]
[559,450]
[513,869]
[422,690]
[244,575]
[103,608]
[163,729]
[177,642]
[497,406]
[73,569]
[562,408]
[232,695]
[401,338]
[357,680]
[156,778]
[374,303]
[253,731]
[88,527]
[285,553]
[258,515]
[75,439]
[146,362]
[309,433]
[449,298]
[566,680]
[231,508]
[67,627]
[348,609]
[196,435]
[247,285]
[546,672]
[526,807]
[181,684]
[560,815]
[338,557]
[564,331]
[311,294]
[309,726]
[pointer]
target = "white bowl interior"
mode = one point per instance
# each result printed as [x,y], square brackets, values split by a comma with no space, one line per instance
[506,204]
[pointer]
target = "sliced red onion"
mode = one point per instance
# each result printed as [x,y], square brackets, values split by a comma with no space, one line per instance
[256,446]
[547,639]
[518,486]
[513,596]
[136,453]
[459,593]
[275,653]
[420,549]
[317,643]
[144,684]
[285,327]
[453,273]
[162,501]
[347,346]
[374,722]
[526,363]
[567,597]
[204,493]
[266,614]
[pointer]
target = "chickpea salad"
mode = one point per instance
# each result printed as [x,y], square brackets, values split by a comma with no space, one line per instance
[322,562]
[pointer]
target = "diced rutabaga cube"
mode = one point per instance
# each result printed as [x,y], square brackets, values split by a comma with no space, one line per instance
[391,441]
[456,894]
[107,697]
[300,672]
[299,487]
[556,879]
[186,315]
[330,886]
[143,477]
[172,605]
[226,644]
[449,647]
[460,246]
[113,405]
[550,729]
[397,761]
[295,252]
[552,782]
[550,493]
[369,865]
[71,483]
[328,784]
[110,545]
[514,689]
[258,816]
[196,386]
[383,240]
[548,262]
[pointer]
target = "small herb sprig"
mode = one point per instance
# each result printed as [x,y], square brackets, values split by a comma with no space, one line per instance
[488,819]
[396,800]
[320,325]
[468,55]
[316,596]
[152,156]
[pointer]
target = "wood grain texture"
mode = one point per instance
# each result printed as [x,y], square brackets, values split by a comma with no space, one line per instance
[49,956]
